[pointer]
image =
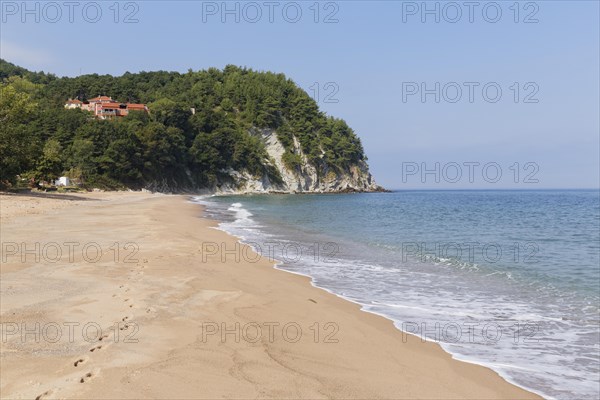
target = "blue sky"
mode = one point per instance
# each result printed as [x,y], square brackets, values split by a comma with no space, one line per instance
[372,59]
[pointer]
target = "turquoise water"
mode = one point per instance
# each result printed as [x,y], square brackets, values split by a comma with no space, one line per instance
[507,279]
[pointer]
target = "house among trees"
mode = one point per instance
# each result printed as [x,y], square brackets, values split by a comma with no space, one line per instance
[105,107]
[73,103]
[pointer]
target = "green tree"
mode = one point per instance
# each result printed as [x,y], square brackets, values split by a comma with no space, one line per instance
[50,165]
[16,108]
[82,158]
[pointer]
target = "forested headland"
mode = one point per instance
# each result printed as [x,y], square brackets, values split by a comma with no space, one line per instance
[200,125]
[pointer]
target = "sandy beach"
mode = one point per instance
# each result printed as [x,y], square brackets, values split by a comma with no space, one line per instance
[133,295]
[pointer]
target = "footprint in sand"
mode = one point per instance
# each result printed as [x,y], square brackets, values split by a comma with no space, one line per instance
[86,377]
[126,325]
[44,395]
[136,277]
[122,287]
[95,348]
[101,338]
[79,362]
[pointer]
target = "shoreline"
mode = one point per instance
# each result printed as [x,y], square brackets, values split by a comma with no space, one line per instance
[277,264]
[174,297]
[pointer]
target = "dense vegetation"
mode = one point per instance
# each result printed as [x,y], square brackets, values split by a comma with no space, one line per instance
[171,146]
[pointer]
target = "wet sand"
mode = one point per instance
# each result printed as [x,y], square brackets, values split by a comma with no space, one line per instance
[118,300]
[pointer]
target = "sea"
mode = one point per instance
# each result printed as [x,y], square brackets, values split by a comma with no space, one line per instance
[508,279]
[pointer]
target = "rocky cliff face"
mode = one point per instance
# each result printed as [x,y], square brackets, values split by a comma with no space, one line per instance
[304,180]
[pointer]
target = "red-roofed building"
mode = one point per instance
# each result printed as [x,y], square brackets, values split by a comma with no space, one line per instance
[101,99]
[137,107]
[105,107]
[110,109]
[73,103]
